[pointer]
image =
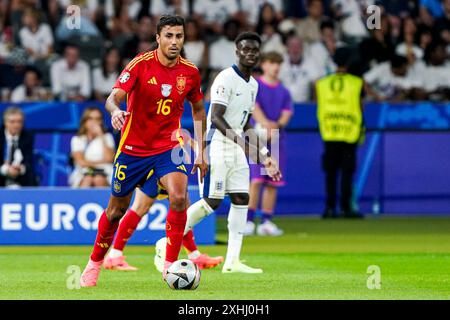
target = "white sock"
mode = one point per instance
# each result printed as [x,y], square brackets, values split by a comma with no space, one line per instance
[194,254]
[196,212]
[237,218]
[114,253]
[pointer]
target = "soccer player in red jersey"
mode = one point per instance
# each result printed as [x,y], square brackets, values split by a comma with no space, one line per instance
[155,85]
[115,260]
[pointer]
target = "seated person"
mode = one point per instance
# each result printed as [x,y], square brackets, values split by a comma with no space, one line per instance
[16,156]
[92,150]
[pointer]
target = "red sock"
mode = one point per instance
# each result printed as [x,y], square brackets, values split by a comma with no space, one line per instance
[105,236]
[188,241]
[127,227]
[175,223]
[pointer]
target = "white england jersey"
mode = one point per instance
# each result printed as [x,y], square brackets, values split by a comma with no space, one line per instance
[231,90]
[229,170]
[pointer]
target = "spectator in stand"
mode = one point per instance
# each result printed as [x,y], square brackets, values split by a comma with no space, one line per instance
[410,50]
[145,32]
[16,156]
[425,38]
[88,16]
[92,151]
[308,28]
[267,27]
[213,14]
[436,76]
[222,51]
[70,76]
[31,89]
[298,72]
[6,38]
[442,25]
[390,81]
[350,14]
[196,49]
[408,47]
[252,10]
[105,77]
[174,7]
[378,48]
[322,51]
[36,37]
[429,11]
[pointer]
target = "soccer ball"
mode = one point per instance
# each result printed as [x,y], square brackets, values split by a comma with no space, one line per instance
[183,274]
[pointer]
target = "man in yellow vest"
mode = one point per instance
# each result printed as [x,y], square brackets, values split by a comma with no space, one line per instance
[339,112]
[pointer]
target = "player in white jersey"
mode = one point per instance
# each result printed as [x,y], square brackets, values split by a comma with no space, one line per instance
[233,95]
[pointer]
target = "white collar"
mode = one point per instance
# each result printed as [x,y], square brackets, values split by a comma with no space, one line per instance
[10,137]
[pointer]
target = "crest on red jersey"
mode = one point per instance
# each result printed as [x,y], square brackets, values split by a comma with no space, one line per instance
[181,83]
[166,89]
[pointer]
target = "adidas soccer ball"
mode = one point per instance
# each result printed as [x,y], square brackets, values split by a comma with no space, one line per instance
[183,274]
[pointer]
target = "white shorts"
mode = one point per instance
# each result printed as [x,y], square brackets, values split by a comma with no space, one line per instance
[228,172]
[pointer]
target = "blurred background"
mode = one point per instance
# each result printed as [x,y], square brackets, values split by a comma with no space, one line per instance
[53,67]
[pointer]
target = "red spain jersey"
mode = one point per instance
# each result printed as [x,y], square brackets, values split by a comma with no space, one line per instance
[155,101]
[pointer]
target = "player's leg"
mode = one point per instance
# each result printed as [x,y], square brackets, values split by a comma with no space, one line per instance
[128,171]
[107,226]
[139,208]
[237,217]
[269,199]
[196,213]
[237,187]
[176,185]
[255,189]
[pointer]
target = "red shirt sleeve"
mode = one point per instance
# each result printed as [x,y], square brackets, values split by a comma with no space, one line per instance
[196,93]
[127,78]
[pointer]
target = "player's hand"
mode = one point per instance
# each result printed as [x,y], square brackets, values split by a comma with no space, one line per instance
[273,171]
[118,118]
[200,164]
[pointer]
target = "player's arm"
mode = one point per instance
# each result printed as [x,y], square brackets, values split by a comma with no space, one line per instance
[113,107]
[199,117]
[222,125]
[261,154]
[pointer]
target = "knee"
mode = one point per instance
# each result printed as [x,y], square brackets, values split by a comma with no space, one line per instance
[240,199]
[177,201]
[213,203]
[115,212]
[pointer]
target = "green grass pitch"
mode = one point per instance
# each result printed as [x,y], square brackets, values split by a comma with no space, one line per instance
[316,259]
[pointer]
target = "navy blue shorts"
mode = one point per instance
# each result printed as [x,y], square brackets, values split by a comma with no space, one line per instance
[144,172]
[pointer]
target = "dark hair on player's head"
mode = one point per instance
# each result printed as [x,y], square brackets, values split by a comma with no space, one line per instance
[169,20]
[342,56]
[326,24]
[247,35]
[398,61]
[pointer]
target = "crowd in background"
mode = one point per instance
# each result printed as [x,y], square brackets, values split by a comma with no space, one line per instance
[406,58]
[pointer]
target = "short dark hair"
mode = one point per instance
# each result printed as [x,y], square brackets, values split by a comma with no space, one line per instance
[247,35]
[326,24]
[398,61]
[342,56]
[169,20]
